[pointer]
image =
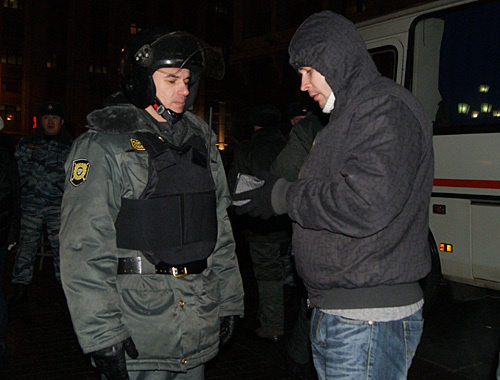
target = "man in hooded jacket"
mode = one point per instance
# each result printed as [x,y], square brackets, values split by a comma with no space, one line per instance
[148,259]
[360,207]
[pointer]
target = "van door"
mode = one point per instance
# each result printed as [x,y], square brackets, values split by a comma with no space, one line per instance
[453,71]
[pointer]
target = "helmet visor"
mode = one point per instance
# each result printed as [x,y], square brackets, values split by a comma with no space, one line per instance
[182,50]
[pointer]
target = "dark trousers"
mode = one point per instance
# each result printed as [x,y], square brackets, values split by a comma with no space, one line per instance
[32,222]
[268,257]
[3,299]
[299,345]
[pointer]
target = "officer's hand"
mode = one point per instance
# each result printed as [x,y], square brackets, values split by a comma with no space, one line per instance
[111,360]
[260,199]
[227,328]
[11,246]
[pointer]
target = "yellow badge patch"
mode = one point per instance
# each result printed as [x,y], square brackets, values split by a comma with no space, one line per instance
[136,144]
[79,172]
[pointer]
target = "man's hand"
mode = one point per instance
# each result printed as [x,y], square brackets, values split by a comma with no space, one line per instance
[227,328]
[260,199]
[111,360]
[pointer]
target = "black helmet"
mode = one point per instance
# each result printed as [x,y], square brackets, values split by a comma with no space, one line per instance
[156,48]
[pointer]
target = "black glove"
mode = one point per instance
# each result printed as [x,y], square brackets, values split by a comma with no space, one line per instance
[260,198]
[111,360]
[227,328]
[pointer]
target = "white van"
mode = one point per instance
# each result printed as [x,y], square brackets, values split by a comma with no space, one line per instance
[448,54]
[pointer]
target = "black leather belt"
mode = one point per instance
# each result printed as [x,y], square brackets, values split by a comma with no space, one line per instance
[133,265]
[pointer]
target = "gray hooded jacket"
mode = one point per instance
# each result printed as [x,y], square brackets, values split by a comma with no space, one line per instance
[361,201]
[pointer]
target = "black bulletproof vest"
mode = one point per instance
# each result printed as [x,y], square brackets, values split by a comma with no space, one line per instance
[175,219]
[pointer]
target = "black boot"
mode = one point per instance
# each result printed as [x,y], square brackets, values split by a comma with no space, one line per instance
[20,297]
[299,371]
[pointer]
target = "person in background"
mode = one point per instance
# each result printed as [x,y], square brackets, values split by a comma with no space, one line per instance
[268,241]
[305,126]
[9,218]
[360,207]
[148,261]
[40,159]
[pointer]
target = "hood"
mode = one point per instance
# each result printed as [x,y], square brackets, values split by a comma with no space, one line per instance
[330,44]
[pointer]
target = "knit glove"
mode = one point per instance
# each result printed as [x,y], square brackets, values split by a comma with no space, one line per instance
[260,199]
[110,361]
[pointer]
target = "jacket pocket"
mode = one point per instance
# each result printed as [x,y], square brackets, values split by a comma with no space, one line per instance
[144,295]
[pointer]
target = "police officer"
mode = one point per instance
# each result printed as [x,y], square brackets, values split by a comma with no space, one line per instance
[40,159]
[147,252]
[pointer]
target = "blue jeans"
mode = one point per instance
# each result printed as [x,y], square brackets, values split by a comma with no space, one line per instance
[349,349]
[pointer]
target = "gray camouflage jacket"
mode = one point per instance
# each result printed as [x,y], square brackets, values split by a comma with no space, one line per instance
[174,322]
[41,168]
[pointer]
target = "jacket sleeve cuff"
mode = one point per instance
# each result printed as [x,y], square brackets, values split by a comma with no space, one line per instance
[278,196]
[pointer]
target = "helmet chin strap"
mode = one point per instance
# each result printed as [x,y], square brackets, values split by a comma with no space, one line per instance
[169,115]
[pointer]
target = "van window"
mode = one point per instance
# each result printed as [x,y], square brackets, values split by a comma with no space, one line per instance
[469,75]
[455,68]
[385,59]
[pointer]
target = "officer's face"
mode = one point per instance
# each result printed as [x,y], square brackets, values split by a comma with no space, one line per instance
[51,124]
[315,84]
[172,87]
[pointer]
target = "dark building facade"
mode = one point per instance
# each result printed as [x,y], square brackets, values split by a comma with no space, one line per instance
[69,51]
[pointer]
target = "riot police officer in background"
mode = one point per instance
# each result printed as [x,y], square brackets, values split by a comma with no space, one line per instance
[40,158]
[147,252]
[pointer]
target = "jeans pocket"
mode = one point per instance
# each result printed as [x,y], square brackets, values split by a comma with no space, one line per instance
[413,328]
[314,328]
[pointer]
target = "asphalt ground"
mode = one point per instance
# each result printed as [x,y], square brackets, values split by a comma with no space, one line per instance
[460,339]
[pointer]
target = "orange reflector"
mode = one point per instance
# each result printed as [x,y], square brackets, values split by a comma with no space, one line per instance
[439,209]
[444,247]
